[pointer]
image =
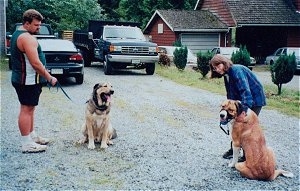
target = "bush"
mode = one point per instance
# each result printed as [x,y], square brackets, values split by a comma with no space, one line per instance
[180,57]
[283,70]
[241,57]
[203,62]
[164,60]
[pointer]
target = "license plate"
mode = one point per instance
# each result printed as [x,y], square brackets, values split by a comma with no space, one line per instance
[57,71]
[135,61]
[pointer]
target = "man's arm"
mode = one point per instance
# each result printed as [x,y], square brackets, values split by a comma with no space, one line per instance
[28,44]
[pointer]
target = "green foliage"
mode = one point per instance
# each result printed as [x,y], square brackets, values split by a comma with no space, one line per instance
[180,57]
[74,14]
[61,14]
[203,62]
[177,43]
[141,11]
[241,57]
[282,71]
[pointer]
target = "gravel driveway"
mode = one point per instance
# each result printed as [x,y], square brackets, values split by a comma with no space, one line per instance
[168,138]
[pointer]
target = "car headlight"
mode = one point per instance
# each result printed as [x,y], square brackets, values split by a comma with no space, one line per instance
[152,49]
[113,48]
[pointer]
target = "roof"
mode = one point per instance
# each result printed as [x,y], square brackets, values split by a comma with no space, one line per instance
[189,20]
[260,12]
[264,12]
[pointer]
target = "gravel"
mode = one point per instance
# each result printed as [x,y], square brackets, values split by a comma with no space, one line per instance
[168,139]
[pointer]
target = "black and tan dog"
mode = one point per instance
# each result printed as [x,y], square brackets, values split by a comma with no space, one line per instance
[97,126]
[247,133]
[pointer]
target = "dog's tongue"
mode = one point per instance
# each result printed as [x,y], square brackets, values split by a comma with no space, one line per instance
[108,98]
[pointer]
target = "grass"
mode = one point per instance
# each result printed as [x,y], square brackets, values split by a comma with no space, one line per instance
[286,103]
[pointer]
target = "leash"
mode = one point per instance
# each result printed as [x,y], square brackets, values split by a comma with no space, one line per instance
[58,86]
[223,124]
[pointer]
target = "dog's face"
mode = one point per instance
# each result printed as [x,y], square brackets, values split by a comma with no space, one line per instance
[102,94]
[230,109]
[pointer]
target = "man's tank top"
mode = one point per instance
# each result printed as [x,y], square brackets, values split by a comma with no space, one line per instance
[22,71]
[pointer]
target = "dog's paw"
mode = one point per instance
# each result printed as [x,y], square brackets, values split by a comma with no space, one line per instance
[91,146]
[109,142]
[231,164]
[103,146]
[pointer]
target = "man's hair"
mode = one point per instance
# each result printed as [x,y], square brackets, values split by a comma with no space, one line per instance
[31,14]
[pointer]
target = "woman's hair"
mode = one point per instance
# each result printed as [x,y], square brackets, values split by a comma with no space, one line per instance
[215,61]
[31,14]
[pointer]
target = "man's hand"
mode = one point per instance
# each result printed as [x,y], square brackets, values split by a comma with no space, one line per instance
[53,81]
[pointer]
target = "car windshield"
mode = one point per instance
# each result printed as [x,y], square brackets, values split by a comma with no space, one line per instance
[123,33]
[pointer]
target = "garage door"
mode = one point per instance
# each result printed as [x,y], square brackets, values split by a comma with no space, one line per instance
[200,41]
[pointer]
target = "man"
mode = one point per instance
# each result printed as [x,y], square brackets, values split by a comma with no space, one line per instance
[28,74]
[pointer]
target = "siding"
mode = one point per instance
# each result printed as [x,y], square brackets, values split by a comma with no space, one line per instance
[167,38]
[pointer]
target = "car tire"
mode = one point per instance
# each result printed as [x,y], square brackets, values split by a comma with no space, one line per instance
[87,59]
[79,79]
[150,68]
[107,67]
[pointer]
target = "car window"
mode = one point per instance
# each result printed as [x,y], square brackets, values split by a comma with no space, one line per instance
[57,45]
[278,52]
[295,50]
[123,33]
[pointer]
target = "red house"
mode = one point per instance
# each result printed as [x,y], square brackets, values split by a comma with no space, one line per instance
[198,30]
[261,25]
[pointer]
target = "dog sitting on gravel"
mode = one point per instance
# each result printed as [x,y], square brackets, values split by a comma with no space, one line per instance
[97,126]
[247,133]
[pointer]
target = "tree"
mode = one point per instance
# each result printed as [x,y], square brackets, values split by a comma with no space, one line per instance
[203,62]
[180,57]
[142,10]
[241,57]
[283,70]
[61,14]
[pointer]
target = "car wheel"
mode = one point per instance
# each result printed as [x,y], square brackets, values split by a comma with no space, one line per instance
[107,67]
[87,59]
[79,79]
[150,68]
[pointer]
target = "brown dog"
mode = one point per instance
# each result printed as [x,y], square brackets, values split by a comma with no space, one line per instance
[247,133]
[97,126]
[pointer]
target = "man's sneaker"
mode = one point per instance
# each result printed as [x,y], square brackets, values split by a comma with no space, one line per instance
[33,148]
[228,154]
[41,140]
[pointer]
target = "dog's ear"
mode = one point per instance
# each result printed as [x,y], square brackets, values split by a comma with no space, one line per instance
[239,107]
[96,86]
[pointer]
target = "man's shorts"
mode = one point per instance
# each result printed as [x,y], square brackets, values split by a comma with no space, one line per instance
[28,94]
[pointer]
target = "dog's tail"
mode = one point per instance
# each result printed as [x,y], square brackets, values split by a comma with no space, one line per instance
[285,173]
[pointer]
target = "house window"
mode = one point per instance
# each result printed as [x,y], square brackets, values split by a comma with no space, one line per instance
[160,28]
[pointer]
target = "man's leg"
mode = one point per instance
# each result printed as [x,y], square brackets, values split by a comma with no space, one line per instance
[26,119]
[25,122]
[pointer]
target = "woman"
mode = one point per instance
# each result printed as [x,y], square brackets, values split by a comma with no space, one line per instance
[241,84]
